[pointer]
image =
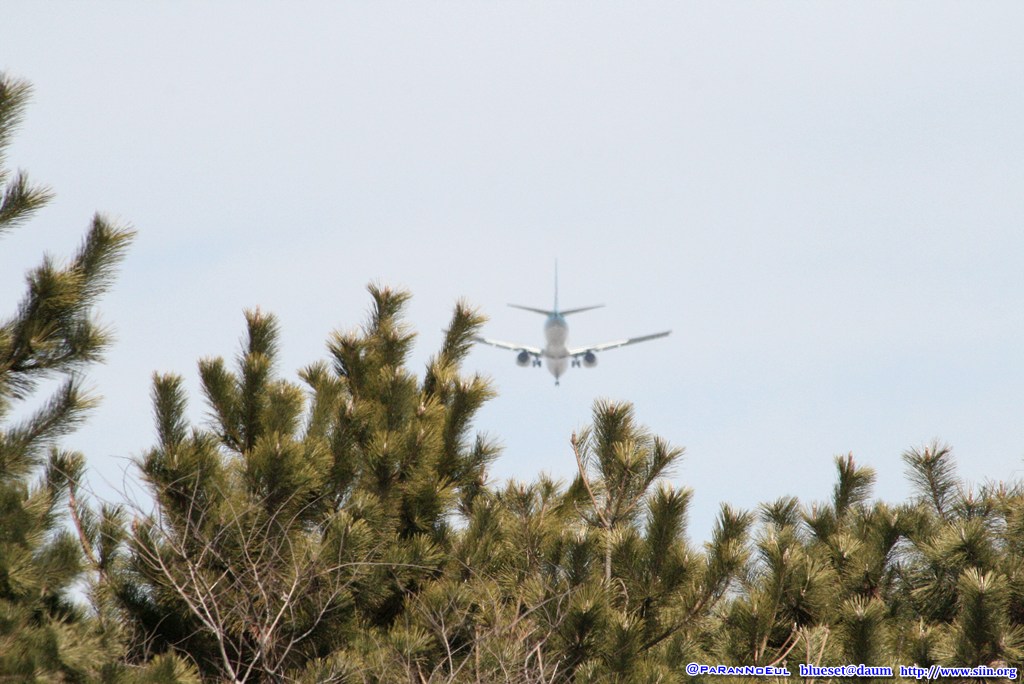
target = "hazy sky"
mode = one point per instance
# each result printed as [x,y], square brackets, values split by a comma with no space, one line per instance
[823,200]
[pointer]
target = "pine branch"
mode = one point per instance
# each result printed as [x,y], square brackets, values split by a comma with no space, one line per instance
[169,404]
[53,331]
[853,487]
[21,446]
[14,94]
[932,472]
[101,251]
[20,200]
[458,340]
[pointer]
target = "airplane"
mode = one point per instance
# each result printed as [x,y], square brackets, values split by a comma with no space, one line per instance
[558,356]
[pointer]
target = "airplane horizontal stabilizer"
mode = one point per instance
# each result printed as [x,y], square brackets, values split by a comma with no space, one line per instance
[542,312]
[581,309]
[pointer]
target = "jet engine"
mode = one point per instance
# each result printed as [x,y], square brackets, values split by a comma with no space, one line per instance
[523,358]
[590,359]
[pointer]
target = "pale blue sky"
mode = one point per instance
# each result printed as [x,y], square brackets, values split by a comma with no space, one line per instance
[823,201]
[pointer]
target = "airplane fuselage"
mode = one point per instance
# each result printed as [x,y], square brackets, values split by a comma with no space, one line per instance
[556,354]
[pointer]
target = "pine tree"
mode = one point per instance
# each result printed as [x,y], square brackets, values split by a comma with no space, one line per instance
[45,634]
[292,533]
[536,589]
[650,595]
[963,573]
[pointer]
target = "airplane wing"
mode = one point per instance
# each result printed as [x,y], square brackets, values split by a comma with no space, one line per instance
[536,351]
[604,346]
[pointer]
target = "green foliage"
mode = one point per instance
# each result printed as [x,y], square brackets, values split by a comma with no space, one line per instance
[303,519]
[927,582]
[45,634]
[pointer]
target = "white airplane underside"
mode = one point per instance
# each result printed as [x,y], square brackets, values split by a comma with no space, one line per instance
[556,354]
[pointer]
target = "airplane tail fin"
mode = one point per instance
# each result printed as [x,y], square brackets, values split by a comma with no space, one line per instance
[556,284]
[570,311]
[555,311]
